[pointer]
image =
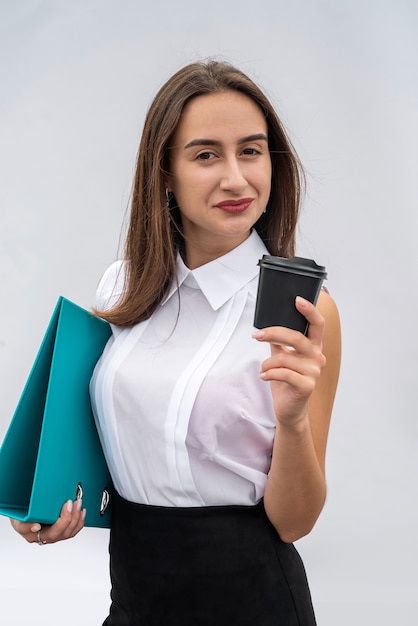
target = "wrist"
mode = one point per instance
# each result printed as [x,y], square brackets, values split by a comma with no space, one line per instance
[297,426]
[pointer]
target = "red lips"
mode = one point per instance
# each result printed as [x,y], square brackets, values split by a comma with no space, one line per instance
[234,206]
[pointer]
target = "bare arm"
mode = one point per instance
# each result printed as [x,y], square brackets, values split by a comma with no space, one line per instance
[303,381]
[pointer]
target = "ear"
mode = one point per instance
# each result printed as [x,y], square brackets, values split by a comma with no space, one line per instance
[168,179]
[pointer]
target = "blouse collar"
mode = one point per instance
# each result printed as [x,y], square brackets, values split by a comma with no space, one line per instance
[222,278]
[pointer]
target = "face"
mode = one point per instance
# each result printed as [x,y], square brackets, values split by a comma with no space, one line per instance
[220,173]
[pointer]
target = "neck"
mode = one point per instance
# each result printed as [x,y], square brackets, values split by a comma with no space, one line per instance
[196,255]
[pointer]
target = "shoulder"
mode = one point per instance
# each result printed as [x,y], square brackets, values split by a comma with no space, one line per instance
[111,285]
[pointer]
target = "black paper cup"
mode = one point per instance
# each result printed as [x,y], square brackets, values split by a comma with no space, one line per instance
[281,280]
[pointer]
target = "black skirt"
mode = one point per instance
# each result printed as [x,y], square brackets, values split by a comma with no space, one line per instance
[217,566]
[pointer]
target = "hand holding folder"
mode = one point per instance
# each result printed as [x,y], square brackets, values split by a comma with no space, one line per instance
[51,451]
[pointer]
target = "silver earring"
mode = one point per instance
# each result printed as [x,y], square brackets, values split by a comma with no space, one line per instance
[168,198]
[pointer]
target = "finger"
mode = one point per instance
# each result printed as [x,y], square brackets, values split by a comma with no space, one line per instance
[291,360]
[70,522]
[303,374]
[301,384]
[27,530]
[314,317]
[71,519]
[282,338]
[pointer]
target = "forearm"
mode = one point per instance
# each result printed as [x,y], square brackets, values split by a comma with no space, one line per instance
[296,489]
[303,374]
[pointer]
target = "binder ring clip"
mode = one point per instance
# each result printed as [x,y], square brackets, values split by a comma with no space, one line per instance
[105,501]
[79,492]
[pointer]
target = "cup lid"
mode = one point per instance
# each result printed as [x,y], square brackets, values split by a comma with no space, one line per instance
[296,264]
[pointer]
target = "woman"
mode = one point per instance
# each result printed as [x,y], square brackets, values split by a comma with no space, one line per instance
[215,435]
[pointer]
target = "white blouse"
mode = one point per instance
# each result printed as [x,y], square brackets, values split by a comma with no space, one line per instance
[183,418]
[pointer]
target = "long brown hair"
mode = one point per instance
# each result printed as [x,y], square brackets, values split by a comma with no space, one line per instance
[154,232]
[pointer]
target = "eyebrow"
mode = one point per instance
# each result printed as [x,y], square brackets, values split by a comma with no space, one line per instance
[214,142]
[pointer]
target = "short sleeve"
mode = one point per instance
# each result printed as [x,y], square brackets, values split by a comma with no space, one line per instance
[111,286]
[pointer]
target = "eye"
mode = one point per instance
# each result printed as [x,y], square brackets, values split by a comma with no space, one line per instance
[205,156]
[251,152]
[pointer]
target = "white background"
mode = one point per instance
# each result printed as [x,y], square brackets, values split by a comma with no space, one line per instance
[75,81]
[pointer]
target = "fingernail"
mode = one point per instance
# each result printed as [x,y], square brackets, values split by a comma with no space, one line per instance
[78,504]
[262,375]
[83,514]
[35,528]
[301,301]
[69,506]
[258,334]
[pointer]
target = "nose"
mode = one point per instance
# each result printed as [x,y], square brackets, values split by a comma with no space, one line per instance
[233,178]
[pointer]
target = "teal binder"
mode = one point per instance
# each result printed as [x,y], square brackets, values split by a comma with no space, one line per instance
[51,452]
